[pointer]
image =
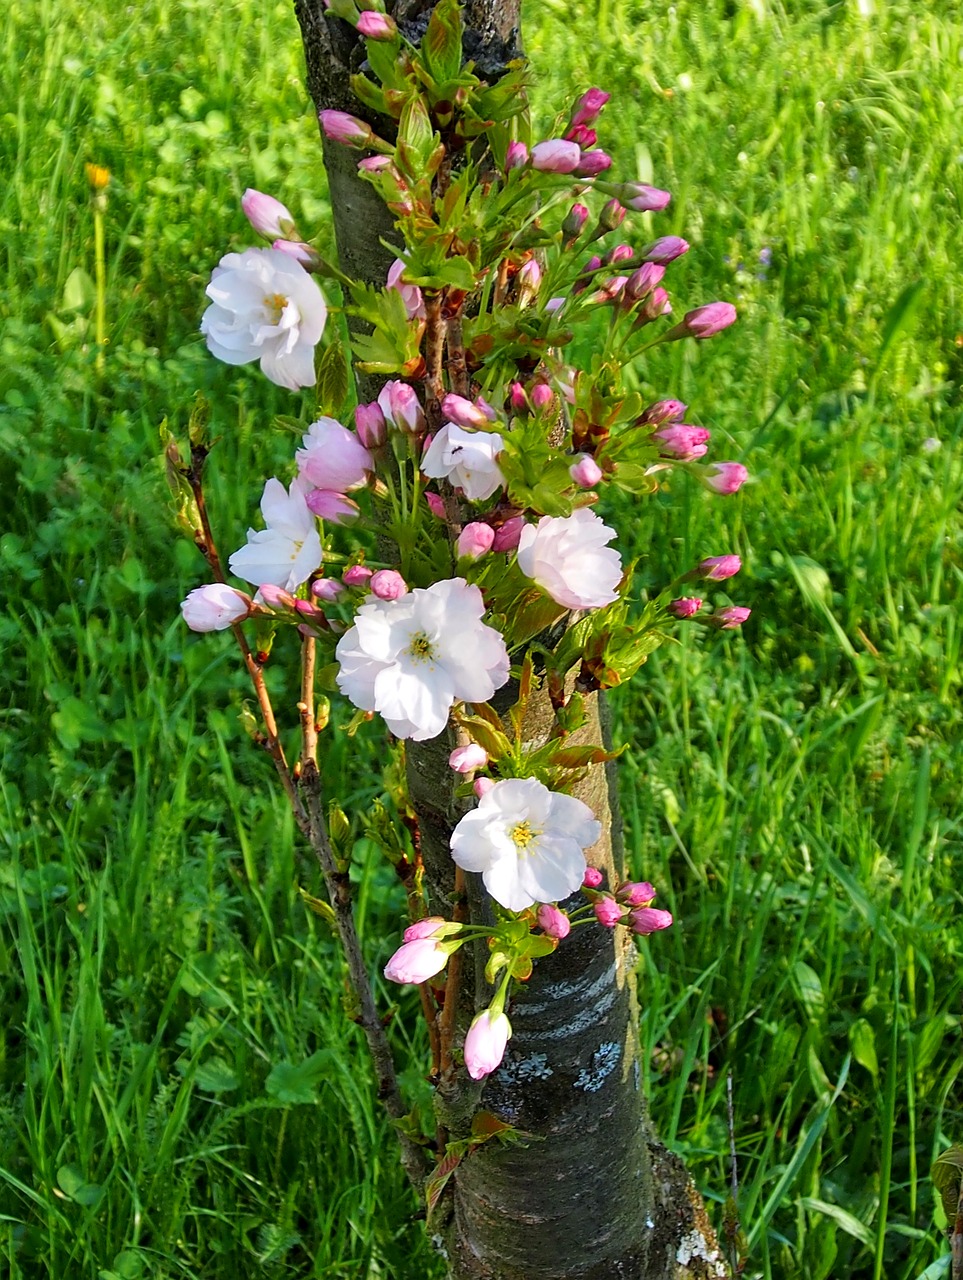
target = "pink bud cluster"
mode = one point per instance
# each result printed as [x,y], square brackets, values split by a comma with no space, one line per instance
[630,906]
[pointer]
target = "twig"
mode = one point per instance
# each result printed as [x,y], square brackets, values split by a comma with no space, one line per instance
[453,981]
[339,894]
[309,728]
[434,359]
[457,366]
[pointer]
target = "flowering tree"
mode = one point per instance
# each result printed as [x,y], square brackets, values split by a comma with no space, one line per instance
[442,567]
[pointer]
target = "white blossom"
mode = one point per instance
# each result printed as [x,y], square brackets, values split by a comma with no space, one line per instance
[265,306]
[568,558]
[527,842]
[215,607]
[466,459]
[410,659]
[288,551]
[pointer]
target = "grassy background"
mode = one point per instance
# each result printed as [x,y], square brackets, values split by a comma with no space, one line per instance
[180,1095]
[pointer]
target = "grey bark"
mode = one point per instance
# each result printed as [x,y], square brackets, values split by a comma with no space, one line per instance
[590,1192]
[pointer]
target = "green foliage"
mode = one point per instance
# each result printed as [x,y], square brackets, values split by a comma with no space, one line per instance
[793,792]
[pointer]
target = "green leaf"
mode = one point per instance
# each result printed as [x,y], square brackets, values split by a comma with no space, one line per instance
[332,380]
[492,740]
[850,1224]
[862,1040]
[215,1076]
[441,43]
[75,1186]
[416,135]
[947,1175]
[436,1181]
[80,292]
[297,1085]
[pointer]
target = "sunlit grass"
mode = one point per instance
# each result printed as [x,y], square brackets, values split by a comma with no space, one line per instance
[792,791]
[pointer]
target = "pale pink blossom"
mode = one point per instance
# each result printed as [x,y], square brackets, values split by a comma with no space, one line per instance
[665,250]
[275,597]
[585,471]
[265,307]
[552,921]
[215,607]
[436,504]
[269,217]
[306,254]
[592,163]
[527,842]
[327,588]
[660,412]
[339,126]
[556,156]
[485,1043]
[333,457]
[481,786]
[542,395]
[357,575]
[388,584]
[467,459]
[428,927]
[411,659]
[288,550]
[465,413]
[410,293]
[417,961]
[475,540]
[726,477]
[567,556]
[468,758]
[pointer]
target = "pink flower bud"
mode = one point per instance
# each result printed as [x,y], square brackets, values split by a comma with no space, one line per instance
[592,878]
[592,163]
[276,597]
[553,922]
[331,506]
[621,253]
[269,217]
[649,920]
[339,126]
[642,282]
[705,322]
[508,534]
[607,911]
[682,442]
[376,164]
[481,786]
[215,607]
[465,414]
[726,477]
[589,106]
[518,398]
[516,156]
[429,927]
[684,607]
[401,407]
[612,216]
[553,305]
[574,221]
[556,156]
[377,26]
[583,135]
[370,423]
[655,305]
[485,1043]
[527,282]
[413,300]
[308,609]
[416,961]
[308,257]
[666,249]
[662,411]
[727,619]
[718,568]
[542,395]
[436,504]
[475,540]
[356,576]
[327,588]
[638,893]
[637,196]
[467,759]
[585,471]
[388,584]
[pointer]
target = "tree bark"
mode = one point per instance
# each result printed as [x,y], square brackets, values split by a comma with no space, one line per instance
[588,1191]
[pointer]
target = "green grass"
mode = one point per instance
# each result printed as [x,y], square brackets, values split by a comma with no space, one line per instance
[180,1094]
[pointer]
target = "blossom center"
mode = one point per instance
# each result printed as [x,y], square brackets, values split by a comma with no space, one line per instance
[523,835]
[275,303]
[420,648]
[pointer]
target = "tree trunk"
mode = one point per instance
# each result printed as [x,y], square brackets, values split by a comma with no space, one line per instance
[588,1191]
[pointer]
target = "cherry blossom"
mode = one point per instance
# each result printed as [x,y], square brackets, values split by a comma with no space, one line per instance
[288,551]
[215,607]
[466,459]
[568,558]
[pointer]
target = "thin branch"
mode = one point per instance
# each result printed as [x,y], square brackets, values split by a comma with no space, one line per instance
[434,359]
[453,983]
[457,367]
[338,886]
[309,728]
